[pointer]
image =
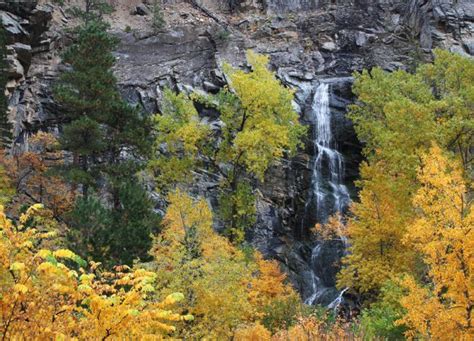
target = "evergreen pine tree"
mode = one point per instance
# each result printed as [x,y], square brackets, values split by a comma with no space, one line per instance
[109,142]
[100,127]
[114,235]
[133,223]
[87,92]
[89,229]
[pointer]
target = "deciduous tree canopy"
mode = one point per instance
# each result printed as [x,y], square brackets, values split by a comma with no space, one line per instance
[399,115]
[259,125]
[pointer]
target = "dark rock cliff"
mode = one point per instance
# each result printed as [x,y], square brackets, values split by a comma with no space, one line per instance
[307,40]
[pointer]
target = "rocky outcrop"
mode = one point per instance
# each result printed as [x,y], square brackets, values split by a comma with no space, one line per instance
[32,65]
[146,63]
[307,40]
[445,23]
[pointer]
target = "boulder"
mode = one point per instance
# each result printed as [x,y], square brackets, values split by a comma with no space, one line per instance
[14,68]
[14,29]
[329,46]
[142,9]
[23,53]
[469,46]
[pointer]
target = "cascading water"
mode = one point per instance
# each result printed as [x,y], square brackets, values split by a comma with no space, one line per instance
[328,192]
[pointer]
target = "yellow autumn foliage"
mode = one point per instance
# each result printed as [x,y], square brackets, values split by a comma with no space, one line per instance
[255,332]
[443,233]
[49,294]
[334,229]
[376,230]
[397,116]
[310,328]
[257,127]
[223,287]
[268,125]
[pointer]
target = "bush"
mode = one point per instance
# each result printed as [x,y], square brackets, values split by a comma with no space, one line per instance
[223,35]
[158,21]
[379,320]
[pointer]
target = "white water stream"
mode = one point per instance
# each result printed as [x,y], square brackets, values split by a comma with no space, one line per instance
[329,194]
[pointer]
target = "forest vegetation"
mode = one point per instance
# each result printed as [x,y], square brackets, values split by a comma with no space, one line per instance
[84,254]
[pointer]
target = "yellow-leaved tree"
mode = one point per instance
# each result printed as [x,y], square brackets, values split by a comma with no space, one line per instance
[441,307]
[47,293]
[397,116]
[257,127]
[376,230]
[223,286]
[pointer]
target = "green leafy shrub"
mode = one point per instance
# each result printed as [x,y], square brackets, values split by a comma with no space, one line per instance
[379,320]
[158,20]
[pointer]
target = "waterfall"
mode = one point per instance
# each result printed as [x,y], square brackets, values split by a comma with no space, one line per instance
[315,281]
[328,190]
[328,193]
[337,302]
